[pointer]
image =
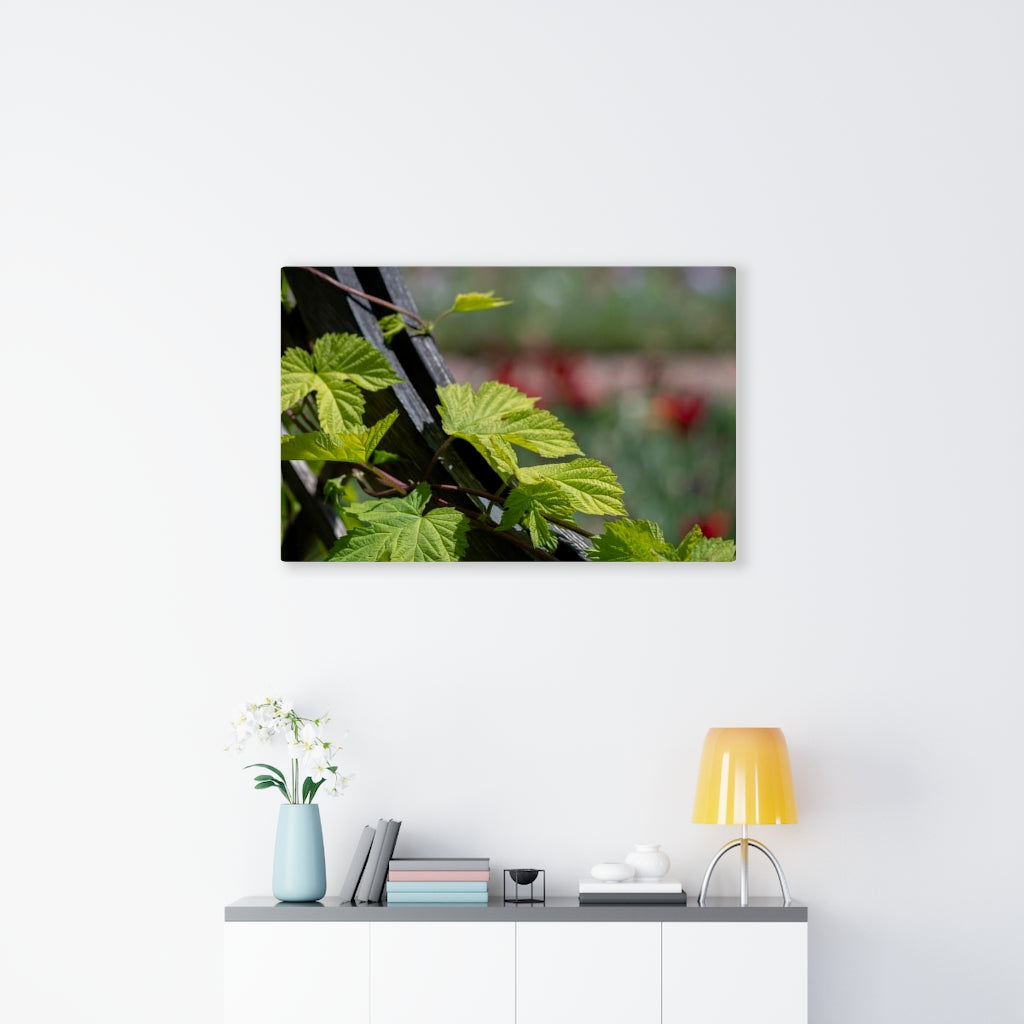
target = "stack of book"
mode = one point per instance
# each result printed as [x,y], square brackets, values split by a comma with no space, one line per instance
[665,890]
[448,880]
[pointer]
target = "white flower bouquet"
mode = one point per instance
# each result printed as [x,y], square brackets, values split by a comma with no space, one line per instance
[274,717]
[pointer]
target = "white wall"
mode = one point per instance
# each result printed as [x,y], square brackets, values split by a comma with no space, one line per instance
[862,169]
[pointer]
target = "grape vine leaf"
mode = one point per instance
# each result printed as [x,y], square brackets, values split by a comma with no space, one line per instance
[398,530]
[639,540]
[695,547]
[684,553]
[713,549]
[340,365]
[472,301]
[589,485]
[529,504]
[353,446]
[354,359]
[632,540]
[498,416]
[339,493]
[390,326]
[287,298]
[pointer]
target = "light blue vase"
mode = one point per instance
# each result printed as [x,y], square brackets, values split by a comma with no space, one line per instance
[300,872]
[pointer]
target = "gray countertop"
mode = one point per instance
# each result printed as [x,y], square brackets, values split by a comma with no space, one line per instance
[557,908]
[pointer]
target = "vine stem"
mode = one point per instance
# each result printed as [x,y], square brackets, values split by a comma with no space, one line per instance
[302,423]
[444,444]
[398,485]
[494,497]
[370,298]
[371,492]
[505,535]
[308,410]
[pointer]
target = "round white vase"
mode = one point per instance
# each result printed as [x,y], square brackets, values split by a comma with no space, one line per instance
[650,861]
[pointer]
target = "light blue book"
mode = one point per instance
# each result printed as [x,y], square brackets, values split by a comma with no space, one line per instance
[437,897]
[394,887]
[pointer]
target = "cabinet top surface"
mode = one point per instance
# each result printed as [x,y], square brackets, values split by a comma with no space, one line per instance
[557,908]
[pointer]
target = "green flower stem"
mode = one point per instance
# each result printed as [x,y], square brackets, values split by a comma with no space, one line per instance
[439,318]
[369,298]
[295,780]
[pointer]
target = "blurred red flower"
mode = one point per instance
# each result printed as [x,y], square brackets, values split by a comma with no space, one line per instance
[679,411]
[714,524]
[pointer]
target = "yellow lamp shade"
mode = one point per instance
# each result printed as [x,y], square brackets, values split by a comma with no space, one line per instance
[744,779]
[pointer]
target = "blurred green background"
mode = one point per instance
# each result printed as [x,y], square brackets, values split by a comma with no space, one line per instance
[638,361]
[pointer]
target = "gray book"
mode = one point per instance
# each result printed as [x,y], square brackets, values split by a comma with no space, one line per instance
[380,871]
[441,864]
[355,869]
[590,899]
[363,889]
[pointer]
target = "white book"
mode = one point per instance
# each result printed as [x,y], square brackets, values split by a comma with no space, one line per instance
[662,885]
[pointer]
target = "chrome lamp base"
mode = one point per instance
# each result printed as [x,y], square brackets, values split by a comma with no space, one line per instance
[744,843]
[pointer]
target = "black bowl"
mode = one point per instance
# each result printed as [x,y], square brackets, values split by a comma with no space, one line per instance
[523,876]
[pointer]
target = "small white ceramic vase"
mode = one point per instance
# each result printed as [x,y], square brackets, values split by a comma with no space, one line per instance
[650,861]
[612,872]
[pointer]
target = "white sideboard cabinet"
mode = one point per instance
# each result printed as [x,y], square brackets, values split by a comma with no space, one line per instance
[720,964]
[601,972]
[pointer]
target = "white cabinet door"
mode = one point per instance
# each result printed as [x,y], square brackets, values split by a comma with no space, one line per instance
[442,972]
[728,972]
[271,966]
[600,972]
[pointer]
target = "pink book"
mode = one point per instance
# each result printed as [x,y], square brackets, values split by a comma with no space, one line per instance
[439,876]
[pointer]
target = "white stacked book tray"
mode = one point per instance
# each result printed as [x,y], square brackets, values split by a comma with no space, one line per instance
[664,891]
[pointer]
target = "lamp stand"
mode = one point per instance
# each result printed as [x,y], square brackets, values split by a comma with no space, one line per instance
[744,843]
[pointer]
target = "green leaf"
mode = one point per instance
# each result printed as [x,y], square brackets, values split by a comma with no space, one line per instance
[339,493]
[590,486]
[340,365]
[472,301]
[498,416]
[287,298]
[390,326]
[362,545]
[529,504]
[632,540]
[307,785]
[354,446]
[713,549]
[686,547]
[266,785]
[313,791]
[353,358]
[269,767]
[695,547]
[398,530]
[339,402]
